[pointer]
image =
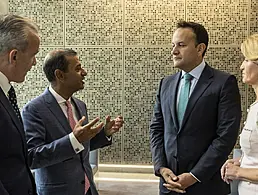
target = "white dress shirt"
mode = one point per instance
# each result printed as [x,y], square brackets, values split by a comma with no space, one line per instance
[196,73]
[77,146]
[4,84]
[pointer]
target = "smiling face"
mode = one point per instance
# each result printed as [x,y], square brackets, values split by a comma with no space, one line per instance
[186,53]
[74,76]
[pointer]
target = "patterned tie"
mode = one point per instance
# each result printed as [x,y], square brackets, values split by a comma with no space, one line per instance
[183,97]
[72,124]
[13,101]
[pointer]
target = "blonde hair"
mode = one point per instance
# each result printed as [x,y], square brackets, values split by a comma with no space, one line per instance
[14,31]
[249,47]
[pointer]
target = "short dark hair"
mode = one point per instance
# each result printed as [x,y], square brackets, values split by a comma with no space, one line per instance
[201,34]
[57,60]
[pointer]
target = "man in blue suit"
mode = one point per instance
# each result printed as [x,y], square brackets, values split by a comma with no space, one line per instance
[19,43]
[58,148]
[196,119]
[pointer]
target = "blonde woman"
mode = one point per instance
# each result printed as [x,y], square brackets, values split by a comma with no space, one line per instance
[245,169]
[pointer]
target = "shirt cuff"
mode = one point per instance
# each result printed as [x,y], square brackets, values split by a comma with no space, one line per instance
[77,146]
[195,177]
[109,138]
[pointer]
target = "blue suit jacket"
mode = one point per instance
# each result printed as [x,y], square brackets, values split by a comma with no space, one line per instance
[15,175]
[58,169]
[208,132]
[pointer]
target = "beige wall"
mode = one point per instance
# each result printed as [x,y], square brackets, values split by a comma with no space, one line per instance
[125,46]
[3,6]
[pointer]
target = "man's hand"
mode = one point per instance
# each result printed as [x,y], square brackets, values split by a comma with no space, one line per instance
[186,180]
[171,179]
[112,126]
[86,132]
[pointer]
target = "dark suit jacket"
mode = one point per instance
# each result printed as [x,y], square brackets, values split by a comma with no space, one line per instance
[208,132]
[58,169]
[15,175]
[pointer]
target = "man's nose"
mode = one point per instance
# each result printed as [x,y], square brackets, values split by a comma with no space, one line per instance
[174,50]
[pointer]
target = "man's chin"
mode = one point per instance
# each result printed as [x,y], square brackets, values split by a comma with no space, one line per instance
[19,80]
[177,65]
[82,87]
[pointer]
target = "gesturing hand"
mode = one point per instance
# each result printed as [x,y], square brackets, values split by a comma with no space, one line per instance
[86,132]
[112,126]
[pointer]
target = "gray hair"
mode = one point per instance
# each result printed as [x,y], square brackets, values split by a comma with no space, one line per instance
[14,31]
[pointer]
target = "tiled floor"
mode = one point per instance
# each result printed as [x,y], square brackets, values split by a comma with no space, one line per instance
[126,183]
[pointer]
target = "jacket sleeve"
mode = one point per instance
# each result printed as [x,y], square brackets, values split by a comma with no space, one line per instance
[228,122]
[157,135]
[40,153]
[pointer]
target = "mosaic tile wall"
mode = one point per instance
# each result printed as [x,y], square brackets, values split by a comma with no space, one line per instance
[3,6]
[125,46]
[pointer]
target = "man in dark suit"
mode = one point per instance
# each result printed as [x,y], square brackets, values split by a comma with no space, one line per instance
[196,119]
[58,152]
[19,43]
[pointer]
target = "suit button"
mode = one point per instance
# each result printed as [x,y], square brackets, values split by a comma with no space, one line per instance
[83,182]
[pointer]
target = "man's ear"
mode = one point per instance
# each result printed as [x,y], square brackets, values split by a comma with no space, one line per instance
[59,74]
[12,58]
[200,48]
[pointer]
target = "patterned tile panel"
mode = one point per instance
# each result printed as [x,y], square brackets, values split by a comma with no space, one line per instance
[254,17]
[114,86]
[94,22]
[47,14]
[19,7]
[3,6]
[144,67]
[103,91]
[151,22]
[226,21]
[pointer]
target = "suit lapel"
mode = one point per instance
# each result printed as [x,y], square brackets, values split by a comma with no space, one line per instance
[54,107]
[19,126]
[202,84]
[79,109]
[173,88]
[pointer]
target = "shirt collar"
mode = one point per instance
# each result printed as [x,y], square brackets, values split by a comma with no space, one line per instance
[197,71]
[4,83]
[58,97]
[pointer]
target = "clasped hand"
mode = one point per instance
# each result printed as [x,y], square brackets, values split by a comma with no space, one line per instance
[177,183]
[229,171]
